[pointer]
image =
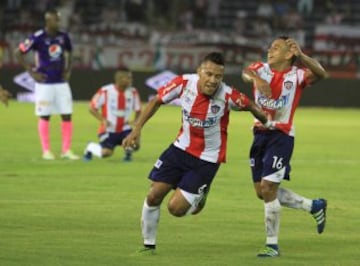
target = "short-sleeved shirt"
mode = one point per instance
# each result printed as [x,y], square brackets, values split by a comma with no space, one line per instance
[49,53]
[205,119]
[116,106]
[287,88]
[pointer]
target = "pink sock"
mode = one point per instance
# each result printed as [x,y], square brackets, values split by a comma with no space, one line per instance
[66,132]
[43,128]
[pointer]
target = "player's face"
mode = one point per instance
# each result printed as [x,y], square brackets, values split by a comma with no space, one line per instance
[52,21]
[210,77]
[123,79]
[278,52]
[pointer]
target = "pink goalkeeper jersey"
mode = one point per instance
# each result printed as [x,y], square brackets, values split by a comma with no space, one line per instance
[204,119]
[286,88]
[116,106]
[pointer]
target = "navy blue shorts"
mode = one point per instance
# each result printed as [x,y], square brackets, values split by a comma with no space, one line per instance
[270,155]
[111,140]
[183,170]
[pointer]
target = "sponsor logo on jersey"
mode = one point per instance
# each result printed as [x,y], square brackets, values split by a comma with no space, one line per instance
[274,104]
[197,122]
[119,113]
[55,51]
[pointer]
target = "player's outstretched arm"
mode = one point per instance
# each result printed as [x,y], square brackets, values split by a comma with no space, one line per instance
[258,113]
[150,109]
[261,85]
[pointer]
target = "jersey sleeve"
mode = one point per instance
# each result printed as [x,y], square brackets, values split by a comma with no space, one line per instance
[255,66]
[67,43]
[137,101]
[27,45]
[239,99]
[303,81]
[98,99]
[171,90]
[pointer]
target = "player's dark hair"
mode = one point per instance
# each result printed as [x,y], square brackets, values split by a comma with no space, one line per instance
[52,11]
[215,57]
[123,69]
[285,37]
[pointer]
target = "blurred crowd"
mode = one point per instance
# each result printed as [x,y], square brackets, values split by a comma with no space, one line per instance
[114,21]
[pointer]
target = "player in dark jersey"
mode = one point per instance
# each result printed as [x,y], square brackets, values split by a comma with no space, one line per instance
[52,49]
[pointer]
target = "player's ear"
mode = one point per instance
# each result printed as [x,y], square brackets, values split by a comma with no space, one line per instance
[198,69]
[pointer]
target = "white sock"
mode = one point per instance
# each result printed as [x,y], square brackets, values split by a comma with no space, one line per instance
[272,221]
[95,149]
[290,199]
[150,217]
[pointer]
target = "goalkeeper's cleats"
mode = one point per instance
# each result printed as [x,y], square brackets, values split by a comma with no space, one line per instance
[69,155]
[48,155]
[318,211]
[269,251]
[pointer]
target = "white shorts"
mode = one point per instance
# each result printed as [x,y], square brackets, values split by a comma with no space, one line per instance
[53,99]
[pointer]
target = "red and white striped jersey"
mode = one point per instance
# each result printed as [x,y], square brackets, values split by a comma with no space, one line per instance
[204,119]
[116,106]
[286,88]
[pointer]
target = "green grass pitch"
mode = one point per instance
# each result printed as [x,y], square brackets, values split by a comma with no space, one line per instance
[77,213]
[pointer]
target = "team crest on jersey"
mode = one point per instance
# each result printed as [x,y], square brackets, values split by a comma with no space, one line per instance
[288,85]
[55,51]
[215,109]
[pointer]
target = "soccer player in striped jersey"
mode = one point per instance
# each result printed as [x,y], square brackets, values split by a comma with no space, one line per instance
[53,56]
[190,163]
[278,85]
[113,105]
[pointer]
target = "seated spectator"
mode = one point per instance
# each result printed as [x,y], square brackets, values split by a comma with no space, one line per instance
[305,7]
[239,24]
[212,14]
[186,19]
[199,10]
[261,28]
[292,20]
[281,8]
[334,17]
[265,10]
[66,10]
